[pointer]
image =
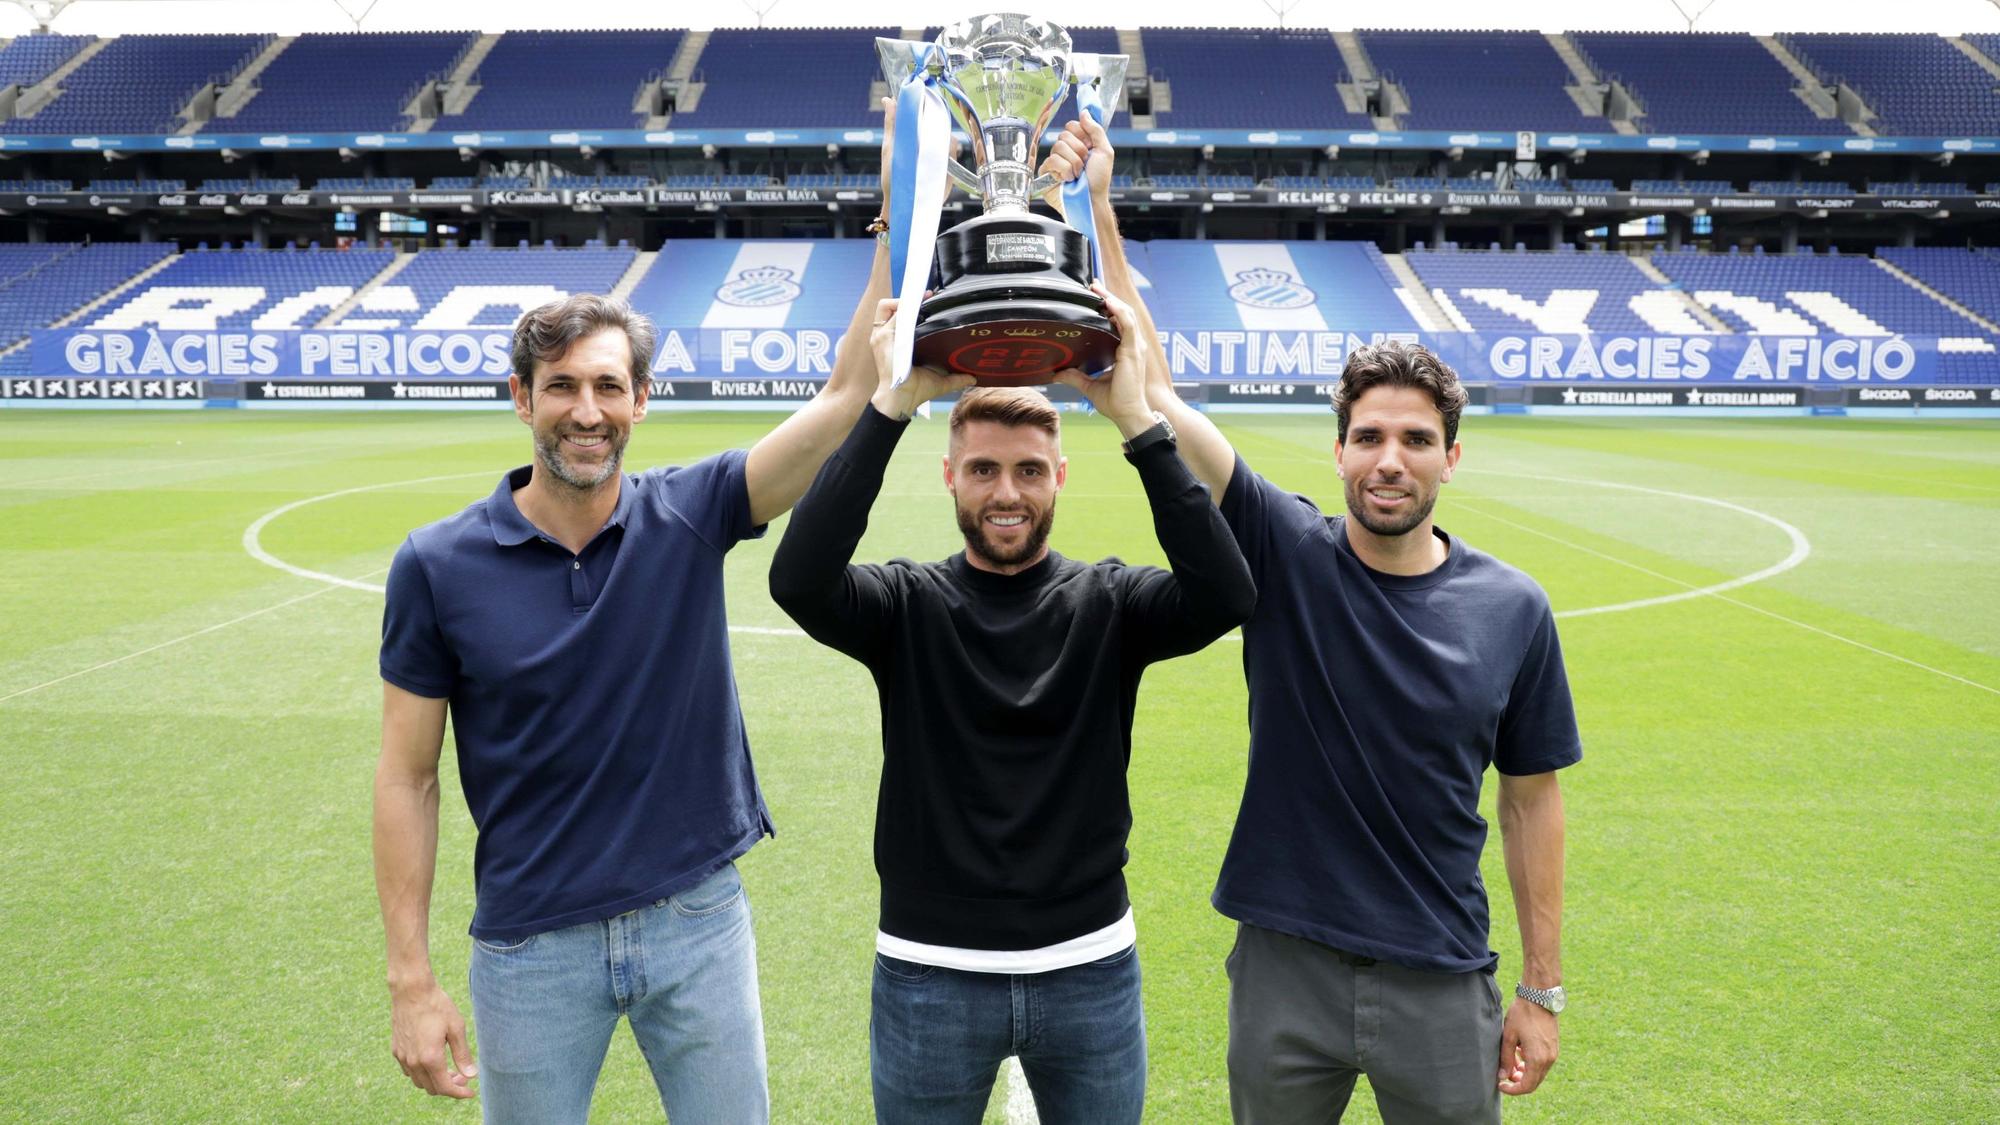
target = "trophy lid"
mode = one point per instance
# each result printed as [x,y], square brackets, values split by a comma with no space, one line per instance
[1006,65]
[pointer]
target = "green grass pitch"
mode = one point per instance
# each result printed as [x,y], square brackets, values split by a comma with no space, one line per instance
[1782,901]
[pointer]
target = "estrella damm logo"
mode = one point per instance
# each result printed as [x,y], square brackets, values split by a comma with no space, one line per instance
[1270,289]
[759,287]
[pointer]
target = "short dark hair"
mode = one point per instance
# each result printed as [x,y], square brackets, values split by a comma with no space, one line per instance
[1009,406]
[547,334]
[1394,363]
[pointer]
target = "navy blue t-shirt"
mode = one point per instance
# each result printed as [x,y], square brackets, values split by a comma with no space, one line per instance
[600,743]
[1376,703]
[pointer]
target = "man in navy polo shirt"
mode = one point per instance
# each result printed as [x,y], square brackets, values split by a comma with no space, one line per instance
[1389,665]
[572,625]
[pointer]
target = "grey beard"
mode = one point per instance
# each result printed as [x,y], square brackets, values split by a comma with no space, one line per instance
[549,451]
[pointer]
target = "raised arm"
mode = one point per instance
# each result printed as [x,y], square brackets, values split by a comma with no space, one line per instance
[784,461]
[837,604]
[1209,589]
[426,1024]
[1209,454]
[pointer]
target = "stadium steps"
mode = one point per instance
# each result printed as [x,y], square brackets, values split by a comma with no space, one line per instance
[1934,295]
[1694,308]
[243,87]
[1975,54]
[49,89]
[459,87]
[1418,299]
[1133,46]
[1361,69]
[1809,90]
[108,297]
[634,274]
[353,302]
[1585,90]
[680,76]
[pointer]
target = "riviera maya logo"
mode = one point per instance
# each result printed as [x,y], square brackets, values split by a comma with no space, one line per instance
[1270,289]
[759,287]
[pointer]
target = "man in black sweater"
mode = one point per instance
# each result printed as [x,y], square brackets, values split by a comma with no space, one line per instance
[1008,676]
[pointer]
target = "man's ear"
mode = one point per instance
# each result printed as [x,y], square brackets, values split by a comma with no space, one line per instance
[523,399]
[642,394]
[1062,472]
[1451,460]
[949,484]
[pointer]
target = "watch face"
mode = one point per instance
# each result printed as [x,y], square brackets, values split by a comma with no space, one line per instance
[1557,1000]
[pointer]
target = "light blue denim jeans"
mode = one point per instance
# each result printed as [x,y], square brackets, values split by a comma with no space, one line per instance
[937,1038]
[683,970]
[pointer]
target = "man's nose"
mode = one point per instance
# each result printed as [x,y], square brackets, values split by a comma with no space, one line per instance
[587,412]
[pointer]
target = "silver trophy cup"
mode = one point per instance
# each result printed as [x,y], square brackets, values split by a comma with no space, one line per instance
[1011,302]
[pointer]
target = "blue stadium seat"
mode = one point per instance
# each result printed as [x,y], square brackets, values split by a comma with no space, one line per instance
[329,83]
[601,73]
[1705,82]
[138,83]
[1225,77]
[1919,84]
[1477,79]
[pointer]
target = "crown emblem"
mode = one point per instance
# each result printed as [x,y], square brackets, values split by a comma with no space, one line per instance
[1266,288]
[1024,332]
[759,287]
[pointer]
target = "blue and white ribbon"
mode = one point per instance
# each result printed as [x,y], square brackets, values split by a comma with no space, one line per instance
[917,190]
[1076,192]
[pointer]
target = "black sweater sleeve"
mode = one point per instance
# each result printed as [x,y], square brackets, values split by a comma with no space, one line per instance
[1209,591]
[841,606]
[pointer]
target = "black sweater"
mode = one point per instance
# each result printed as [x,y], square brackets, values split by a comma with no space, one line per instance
[1006,699]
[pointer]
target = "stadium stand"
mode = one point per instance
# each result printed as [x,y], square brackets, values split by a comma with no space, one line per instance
[375,75]
[1343,286]
[827,74]
[1807,294]
[1970,277]
[1800,187]
[139,83]
[692,282]
[250,185]
[588,183]
[1710,82]
[1598,186]
[36,185]
[1473,80]
[486,287]
[29,59]
[147,187]
[72,277]
[602,74]
[1553,293]
[211,290]
[832,180]
[1685,187]
[1877,187]
[1222,77]
[364,183]
[1919,84]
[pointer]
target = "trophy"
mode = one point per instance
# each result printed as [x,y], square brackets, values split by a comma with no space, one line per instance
[1010,302]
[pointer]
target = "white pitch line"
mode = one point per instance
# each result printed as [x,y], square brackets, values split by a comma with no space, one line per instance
[253,544]
[167,644]
[1711,592]
[1020,1099]
[1801,547]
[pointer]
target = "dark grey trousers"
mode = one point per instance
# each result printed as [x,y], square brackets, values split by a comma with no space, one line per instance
[1306,1020]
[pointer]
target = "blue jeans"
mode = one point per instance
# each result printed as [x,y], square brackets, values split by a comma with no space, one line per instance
[683,970]
[938,1036]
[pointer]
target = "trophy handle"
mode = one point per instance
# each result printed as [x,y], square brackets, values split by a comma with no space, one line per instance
[964,178]
[1040,185]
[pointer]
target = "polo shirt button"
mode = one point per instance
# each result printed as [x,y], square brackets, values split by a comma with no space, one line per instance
[576,564]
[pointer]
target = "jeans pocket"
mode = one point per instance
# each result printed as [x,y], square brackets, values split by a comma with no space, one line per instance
[504,947]
[1116,959]
[712,895]
[908,972]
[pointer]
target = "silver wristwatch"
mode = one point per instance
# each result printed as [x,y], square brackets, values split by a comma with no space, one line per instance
[1554,999]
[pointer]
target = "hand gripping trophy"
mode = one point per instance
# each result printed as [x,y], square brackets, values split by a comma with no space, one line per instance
[1011,302]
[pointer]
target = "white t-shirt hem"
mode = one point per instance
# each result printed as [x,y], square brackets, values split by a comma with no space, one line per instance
[1093,946]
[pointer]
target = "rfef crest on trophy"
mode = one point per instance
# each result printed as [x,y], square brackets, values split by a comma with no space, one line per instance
[1011,303]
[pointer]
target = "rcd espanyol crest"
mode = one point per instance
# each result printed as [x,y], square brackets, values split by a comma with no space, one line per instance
[759,287]
[1270,289]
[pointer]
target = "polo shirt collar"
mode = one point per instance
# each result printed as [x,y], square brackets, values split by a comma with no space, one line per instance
[511,528]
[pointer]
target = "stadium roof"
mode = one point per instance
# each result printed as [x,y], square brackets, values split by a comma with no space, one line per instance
[110,17]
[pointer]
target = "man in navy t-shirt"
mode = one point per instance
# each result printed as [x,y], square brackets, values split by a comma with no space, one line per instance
[1388,665]
[572,625]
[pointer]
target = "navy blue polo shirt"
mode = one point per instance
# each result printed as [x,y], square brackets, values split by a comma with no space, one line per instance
[1377,702]
[600,744]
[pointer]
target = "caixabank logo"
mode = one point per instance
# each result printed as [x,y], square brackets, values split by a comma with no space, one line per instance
[1270,289]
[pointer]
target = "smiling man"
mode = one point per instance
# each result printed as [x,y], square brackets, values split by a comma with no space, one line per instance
[1008,676]
[572,626]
